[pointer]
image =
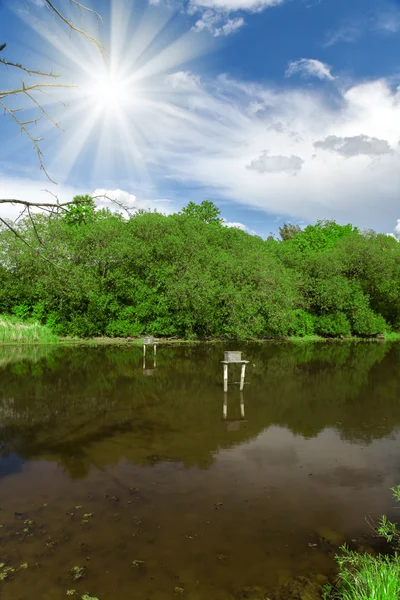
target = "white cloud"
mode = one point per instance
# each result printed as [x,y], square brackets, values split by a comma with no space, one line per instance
[356,145]
[385,20]
[236,225]
[218,24]
[117,200]
[34,190]
[346,33]
[235,5]
[397,228]
[276,164]
[215,137]
[309,67]
[220,17]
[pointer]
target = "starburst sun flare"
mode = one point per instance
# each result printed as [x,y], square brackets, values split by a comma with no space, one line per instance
[109,92]
[121,94]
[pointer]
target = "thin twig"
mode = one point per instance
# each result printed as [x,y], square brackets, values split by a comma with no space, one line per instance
[34,226]
[29,71]
[87,9]
[74,28]
[35,141]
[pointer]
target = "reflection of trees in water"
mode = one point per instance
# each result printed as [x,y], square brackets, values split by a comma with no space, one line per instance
[83,406]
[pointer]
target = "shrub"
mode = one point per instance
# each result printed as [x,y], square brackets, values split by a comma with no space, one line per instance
[333,325]
[365,322]
[302,323]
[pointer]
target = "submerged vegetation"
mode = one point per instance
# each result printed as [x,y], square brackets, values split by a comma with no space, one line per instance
[87,272]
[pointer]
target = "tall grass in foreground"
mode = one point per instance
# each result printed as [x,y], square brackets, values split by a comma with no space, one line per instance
[366,577]
[14,330]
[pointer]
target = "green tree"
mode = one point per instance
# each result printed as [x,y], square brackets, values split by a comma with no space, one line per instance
[206,211]
[289,231]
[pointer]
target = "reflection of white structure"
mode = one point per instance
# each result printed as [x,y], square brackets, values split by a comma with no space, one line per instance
[233,424]
[149,371]
[149,341]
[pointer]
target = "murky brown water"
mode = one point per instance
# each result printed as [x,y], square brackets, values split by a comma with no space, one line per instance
[134,474]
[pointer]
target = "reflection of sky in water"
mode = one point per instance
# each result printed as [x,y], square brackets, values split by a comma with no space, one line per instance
[10,465]
[222,490]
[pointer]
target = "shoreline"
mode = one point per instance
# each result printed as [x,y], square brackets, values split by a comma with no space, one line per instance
[108,341]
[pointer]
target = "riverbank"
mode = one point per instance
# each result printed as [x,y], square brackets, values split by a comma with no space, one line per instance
[14,330]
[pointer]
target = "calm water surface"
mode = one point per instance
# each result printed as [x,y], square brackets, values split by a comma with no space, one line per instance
[135,475]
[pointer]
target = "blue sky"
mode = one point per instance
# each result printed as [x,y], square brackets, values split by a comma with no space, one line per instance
[277,110]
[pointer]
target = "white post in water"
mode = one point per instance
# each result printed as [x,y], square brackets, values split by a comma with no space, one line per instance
[242,375]
[225,377]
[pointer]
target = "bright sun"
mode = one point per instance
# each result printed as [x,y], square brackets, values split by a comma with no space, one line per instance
[109,93]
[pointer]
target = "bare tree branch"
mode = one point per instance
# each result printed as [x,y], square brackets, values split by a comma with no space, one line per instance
[29,92]
[87,9]
[62,205]
[29,71]
[34,226]
[73,27]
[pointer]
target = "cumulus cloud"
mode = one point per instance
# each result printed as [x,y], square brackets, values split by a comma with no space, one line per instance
[236,226]
[356,145]
[218,24]
[397,228]
[220,17]
[309,67]
[277,127]
[120,200]
[276,164]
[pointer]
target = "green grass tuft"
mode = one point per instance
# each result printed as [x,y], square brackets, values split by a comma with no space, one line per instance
[366,577]
[17,331]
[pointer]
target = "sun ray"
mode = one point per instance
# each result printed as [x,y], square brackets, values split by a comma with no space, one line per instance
[123,103]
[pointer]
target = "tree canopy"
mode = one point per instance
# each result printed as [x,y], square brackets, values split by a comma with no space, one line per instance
[88,272]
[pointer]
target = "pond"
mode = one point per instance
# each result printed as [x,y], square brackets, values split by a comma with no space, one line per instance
[125,482]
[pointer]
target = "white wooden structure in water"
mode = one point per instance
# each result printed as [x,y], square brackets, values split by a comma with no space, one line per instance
[149,341]
[234,358]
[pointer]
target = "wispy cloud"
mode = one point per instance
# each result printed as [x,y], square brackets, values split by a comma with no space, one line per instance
[241,155]
[346,33]
[309,67]
[386,20]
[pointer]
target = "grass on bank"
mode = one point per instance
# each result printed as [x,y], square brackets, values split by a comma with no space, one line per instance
[366,577]
[16,331]
[388,337]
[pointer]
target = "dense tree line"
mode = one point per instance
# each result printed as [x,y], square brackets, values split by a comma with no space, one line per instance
[90,272]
